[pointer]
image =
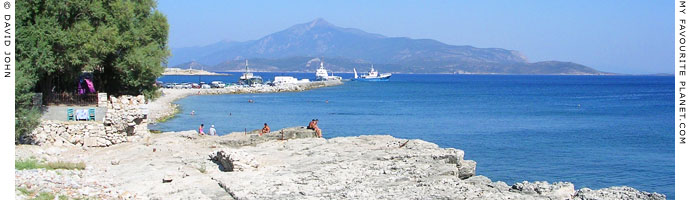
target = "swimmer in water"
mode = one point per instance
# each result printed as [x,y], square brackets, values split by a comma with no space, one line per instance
[192,112]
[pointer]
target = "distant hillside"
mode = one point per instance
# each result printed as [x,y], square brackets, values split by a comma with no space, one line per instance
[346,48]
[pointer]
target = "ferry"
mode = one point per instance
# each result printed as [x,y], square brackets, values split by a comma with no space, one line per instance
[322,74]
[248,78]
[373,75]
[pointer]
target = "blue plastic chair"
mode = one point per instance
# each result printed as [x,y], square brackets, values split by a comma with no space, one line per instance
[92,114]
[70,114]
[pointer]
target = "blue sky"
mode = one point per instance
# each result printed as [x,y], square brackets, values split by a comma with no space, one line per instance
[633,37]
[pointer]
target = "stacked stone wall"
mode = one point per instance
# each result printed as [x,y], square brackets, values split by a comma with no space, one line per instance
[124,121]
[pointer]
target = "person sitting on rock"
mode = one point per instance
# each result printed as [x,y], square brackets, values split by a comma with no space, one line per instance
[212,130]
[265,130]
[316,128]
[311,124]
[201,129]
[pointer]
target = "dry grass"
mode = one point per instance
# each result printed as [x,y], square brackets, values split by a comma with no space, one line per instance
[35,195]
[34,164]
[65,165]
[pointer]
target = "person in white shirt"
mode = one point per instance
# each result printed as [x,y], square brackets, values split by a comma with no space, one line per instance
[212,131]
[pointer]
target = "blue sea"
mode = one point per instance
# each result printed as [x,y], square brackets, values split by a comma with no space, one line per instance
[594,131]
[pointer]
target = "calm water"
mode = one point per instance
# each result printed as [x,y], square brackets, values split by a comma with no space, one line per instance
[594,131]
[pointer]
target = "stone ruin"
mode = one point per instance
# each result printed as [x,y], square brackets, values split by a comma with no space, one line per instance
[125,120]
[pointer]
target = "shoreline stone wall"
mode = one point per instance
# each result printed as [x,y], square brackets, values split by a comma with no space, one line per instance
[126,114]
[124,121]
[164,107]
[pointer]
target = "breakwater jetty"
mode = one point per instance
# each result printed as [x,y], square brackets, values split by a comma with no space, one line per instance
[163,106]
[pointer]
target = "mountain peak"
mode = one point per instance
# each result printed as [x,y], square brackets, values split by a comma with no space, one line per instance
[287,50]
[319,22]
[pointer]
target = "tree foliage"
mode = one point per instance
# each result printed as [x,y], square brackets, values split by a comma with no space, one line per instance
[123,42]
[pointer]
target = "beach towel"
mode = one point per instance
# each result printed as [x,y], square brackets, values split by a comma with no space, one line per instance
[89,84]
[82,114]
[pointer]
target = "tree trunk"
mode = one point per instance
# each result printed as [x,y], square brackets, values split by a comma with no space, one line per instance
[46,86]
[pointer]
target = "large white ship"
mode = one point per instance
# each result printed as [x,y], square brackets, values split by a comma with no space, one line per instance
[322,74]
[373,75]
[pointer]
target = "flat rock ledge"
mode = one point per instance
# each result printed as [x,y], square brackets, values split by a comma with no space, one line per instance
[184,165]
[252,138]
[383,167]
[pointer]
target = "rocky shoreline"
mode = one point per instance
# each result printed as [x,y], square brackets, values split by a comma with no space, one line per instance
[285,164]
[290,163]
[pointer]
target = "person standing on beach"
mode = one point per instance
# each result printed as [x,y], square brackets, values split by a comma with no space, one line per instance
[212,130]
[201,129]
[265,130]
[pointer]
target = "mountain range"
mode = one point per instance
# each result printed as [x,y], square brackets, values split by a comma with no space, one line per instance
[301,47]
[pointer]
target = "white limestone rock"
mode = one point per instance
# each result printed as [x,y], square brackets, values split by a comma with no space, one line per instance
[558,190]
[623,192]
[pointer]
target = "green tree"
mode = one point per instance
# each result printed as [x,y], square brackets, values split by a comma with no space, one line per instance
[123,42]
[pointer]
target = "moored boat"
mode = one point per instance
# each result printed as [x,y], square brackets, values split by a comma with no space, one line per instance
[248,78]
[322,74]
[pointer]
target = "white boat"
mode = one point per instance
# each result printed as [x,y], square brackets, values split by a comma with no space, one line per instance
[279,80]
[322,74]
[373,75]
[248,78]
